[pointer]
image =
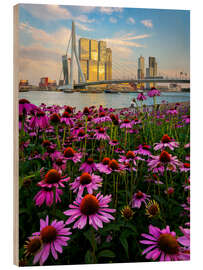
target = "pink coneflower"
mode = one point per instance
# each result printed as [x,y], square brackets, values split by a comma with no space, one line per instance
[114,142]
[185,239]
[114,166]
[71,154]
[169,190]
[129,156]
[89,181]
[136,121]
[163,244]
[185,167]
[126,124]
[55,119]
[119,150]
[154,179]
[46,195]
[162,162]
[114,119]
[93,207]
[25,106]
[67,118]
[39,120]
[143,149]
[103,166]
[141,97]
[153,92]
[59,162]
[187,145]
[129,166]
[88,166]
[53,178]
[187,184]
[101,134]
[53,237]
[86,111]
[172,111]
[69,109]
[166,141]
[101,118]
[138,198]
[80,133]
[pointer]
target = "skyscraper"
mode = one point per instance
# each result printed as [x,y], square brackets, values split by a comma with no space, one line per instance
[102,51]
[93,50]
[153,66]
[95,60]
[140,71]
[108,64]
[84,56]
[151,71]
[84,49]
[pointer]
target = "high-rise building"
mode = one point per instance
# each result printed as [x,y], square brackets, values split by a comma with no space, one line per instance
[140,71]
[92,70]
[153,66]
[102,51]
[84,49]
[95,60]
[108,64]
[101,71]
[93,50]
[151,71]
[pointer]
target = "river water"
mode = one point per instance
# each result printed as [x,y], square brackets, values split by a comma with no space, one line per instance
[80,100]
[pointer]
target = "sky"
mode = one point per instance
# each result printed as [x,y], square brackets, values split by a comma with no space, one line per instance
[44,32]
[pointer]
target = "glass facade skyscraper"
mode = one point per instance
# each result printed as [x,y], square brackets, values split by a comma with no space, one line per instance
[95,59]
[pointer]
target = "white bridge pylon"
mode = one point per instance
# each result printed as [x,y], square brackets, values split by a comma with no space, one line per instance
[74,53]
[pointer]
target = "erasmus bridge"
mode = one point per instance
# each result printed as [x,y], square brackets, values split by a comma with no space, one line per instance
[71,84]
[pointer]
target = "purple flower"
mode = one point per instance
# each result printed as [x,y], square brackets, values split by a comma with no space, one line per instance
[94,208]
[162,162]
[46,195]
[101,134]
[162,244]
[53,236]
[141,97]
[138,198]
[166,141]
[90,182]
[88,166]
[153,92]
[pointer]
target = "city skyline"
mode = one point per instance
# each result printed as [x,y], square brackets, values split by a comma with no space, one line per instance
[44,31]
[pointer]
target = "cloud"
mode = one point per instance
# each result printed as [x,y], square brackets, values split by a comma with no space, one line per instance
[83,27]
[130,20]
[136,37]
[113,20]
[147,23]
[122,42]
[110,10]
[54,12]
[47,12]
[85,9]
[84,19]
[56,39]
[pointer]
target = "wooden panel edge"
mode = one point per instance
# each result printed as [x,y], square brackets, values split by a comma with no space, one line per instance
[15,137]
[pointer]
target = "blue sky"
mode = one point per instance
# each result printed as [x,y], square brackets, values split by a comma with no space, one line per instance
[44,32]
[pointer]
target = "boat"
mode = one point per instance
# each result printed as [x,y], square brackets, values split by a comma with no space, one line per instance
[111,91]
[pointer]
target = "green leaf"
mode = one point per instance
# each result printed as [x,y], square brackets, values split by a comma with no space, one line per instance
[89,235]
[124,242]
[106,253]
[89,257]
